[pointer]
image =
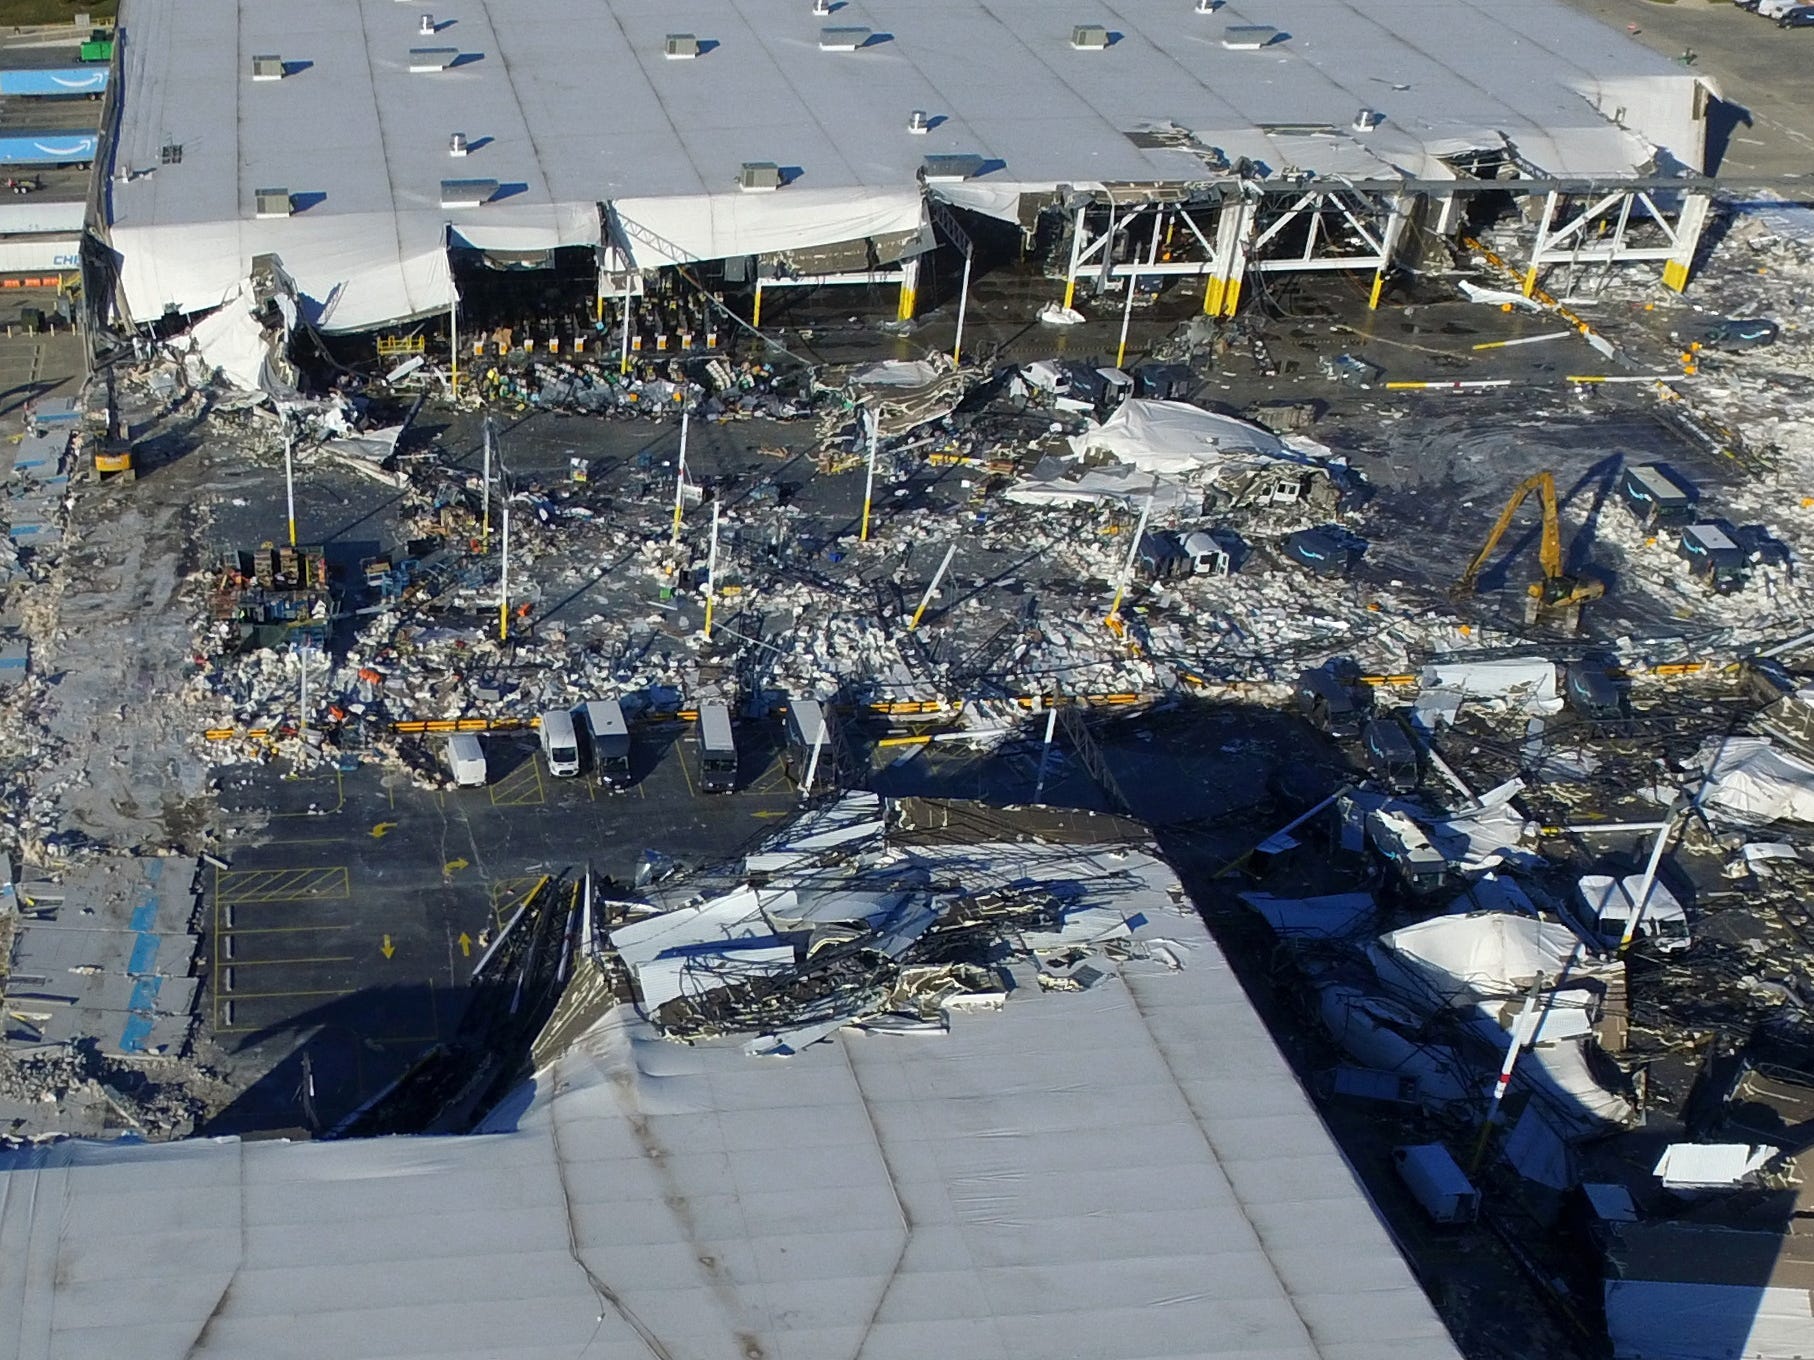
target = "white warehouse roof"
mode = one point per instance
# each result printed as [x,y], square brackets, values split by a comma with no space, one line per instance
[1129,1170]
[571,103]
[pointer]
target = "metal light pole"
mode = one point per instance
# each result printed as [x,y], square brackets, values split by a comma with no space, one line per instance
[1045,754]
[302,699]
[871,421]
[623,346]
[453,346]
[289,476]
[504,578]
[485,491]
[932,588]
[711,573]
[680,478]
[963,303]
[1127,568]
[1639,907]
[1133,283]
[1521,1035]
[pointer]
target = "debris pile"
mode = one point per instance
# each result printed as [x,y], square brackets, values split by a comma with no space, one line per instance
[837,923]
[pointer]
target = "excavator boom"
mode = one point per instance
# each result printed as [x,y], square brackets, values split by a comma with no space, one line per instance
[1549,553]
[1556,599]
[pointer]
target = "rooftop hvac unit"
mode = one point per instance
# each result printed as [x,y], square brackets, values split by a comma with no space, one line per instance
[949,169]
[273,202]
[1089,37]
[467,193]
[427,26]
[682,46]
[842,39]
[456,144]
[759,177]
[1208,6]
[821,7]
[1365,120]
[432,58]
[918,122]
[1248,37]
[267,68]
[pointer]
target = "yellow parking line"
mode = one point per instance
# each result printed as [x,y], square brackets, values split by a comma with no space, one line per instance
[297,884]
[278,930]
[513,791]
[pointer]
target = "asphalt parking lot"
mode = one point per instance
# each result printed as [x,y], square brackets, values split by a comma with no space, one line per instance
[349,924]
[1765,124]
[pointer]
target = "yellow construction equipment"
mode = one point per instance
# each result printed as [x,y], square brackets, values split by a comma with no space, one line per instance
[1558,597]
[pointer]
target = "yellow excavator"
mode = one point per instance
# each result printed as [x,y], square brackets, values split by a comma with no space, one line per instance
[1557,598]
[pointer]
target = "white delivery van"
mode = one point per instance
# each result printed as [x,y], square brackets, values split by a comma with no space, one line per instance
[466,758]
[1603,906]
[560,743]
[1431,1175]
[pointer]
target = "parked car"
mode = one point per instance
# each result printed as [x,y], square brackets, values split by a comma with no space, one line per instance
[1802,16]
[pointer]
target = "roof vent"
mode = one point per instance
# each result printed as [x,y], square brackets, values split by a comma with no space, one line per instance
[842,39]
[918,122]
[759,177]
[1208,6]
[1089,37]
[467,193]
[821,7]
[456,144]
[950,169]
[170,153]
[267,68]
[273,202]
[682,46]
[432,58]
[427,26]
[1365,120]
[1248,37]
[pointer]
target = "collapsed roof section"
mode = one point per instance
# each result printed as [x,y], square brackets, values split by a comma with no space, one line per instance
[1128,1164]
[362,133]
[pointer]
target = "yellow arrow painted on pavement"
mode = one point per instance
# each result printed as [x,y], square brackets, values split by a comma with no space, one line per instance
[453,865]
[381,830]
[768,814]
[466,944]
[387,948]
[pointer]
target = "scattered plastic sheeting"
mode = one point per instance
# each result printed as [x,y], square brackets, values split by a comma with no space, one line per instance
[1494,892]
[1330,917]
[1055,482]
[897,373]
[374,446]
[1708,1166]
[231,342]
[1174,436]
[1374,1032]
[1751,781]
[1527,685]
[699,970]
[1484,954]
[1085,925]
[1563,1076]
[1537,1152]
